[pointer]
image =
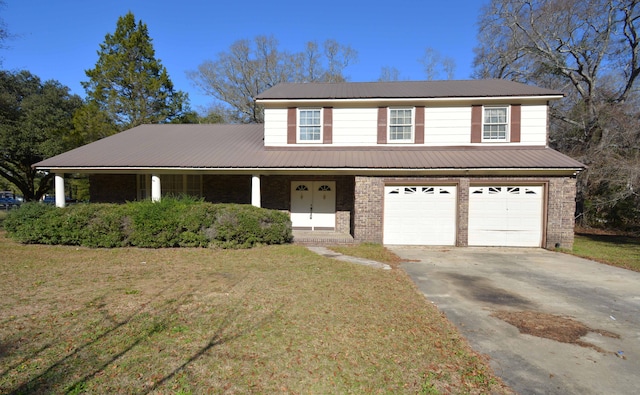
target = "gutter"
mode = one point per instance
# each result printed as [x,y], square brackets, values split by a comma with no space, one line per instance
[554,171]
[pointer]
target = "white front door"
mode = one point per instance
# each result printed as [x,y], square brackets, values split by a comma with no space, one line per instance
[313,205]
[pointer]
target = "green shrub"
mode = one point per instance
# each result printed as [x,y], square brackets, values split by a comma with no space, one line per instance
[172,222]
[241,226]
[30,223]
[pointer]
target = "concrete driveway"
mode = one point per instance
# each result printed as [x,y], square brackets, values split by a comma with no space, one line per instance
[470,284]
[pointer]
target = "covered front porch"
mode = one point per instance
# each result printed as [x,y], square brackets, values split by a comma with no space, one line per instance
[316,203]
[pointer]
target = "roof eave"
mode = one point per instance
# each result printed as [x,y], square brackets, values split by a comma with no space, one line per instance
[480,171]
[412,99]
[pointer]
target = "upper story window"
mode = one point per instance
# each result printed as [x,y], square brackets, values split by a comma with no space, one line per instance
[495,124]
[400,125]
[310,125]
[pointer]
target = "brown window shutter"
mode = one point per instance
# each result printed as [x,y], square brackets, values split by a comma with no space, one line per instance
[515,123]
[327,125]
[419,129]
[476,123]
[291,125]
[382,125]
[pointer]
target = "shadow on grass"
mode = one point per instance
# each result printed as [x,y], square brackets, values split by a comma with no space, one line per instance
[222,335]
[59,371]
[612,239]
[70,373]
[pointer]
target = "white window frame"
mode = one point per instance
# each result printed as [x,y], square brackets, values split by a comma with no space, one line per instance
[412,125]
[507,124]
[143,182]
[299,126]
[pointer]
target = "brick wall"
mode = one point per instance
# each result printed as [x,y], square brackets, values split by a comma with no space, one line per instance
[561,213]
[368,210]
[227,188]
[112,188]
[559,224]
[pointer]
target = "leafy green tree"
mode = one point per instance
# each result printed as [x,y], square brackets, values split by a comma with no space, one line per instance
[34,120]
[90,124]
[4,33]
[128,83]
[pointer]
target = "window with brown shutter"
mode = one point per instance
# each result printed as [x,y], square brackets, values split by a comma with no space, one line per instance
[476,123]
[327,125]
[515,123]
[382,125]
[291,125]
[419,130]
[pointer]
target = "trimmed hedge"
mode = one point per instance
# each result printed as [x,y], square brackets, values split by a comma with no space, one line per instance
[172,222]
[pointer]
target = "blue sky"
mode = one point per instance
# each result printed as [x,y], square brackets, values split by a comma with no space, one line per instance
[60,39]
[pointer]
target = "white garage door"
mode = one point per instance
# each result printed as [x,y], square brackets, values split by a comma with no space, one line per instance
[505,216]
[420,215]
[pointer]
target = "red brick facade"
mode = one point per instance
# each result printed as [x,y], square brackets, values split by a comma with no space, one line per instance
[360,199]
[559,213]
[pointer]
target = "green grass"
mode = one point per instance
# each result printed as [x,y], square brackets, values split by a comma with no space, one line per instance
[621,251]
[373,251]
[274,319]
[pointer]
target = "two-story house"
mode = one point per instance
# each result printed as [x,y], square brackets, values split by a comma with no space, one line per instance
[463,163]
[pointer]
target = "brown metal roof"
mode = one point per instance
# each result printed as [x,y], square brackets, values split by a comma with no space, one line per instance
[241,147]
[404,89]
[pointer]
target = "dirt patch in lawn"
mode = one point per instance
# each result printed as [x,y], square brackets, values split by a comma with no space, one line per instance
[554,327]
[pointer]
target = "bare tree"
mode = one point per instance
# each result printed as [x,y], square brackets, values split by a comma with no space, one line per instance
[389,74]
[434,63]
[250,67]
[589,50]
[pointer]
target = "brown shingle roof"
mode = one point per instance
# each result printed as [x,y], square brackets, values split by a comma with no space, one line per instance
[240,147]
[404,89]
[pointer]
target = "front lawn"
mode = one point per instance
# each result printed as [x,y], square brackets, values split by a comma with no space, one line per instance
[276,319]
[622,251]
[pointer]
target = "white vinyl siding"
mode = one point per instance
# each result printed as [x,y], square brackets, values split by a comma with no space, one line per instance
[533,125]
[354,126]
[444,125]
[447,125]
[275,126]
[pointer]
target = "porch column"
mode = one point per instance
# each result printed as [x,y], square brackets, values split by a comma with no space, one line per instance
[59,190]
[156,189]
[255,190]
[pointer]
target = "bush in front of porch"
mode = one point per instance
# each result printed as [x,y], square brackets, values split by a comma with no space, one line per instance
[172,222]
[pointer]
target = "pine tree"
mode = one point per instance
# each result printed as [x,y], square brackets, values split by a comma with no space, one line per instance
[128,83]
